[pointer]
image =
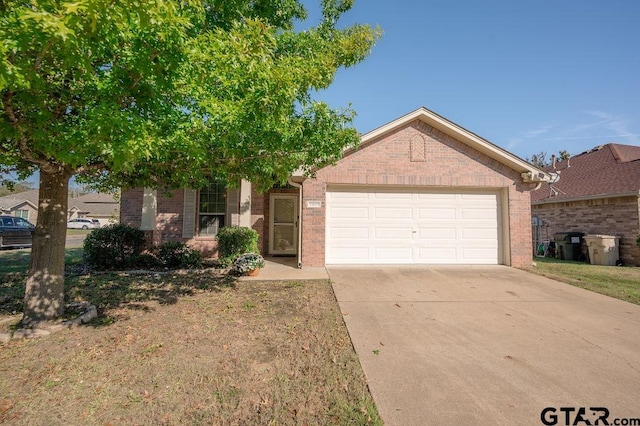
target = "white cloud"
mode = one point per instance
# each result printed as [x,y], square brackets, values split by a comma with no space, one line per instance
[577,134]
[606,128]
[526,136]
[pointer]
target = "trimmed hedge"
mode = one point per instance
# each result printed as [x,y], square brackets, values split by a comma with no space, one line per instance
[113,246]
[234,241]
[176,254]
[121,246]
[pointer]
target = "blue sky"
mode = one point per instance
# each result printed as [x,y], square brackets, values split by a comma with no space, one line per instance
[528,76]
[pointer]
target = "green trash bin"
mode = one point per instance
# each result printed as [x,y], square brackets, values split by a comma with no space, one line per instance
[569,245]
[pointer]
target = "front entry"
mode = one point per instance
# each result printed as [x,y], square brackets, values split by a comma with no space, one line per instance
[283,224]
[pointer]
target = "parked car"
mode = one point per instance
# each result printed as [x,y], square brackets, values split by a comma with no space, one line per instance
[82,224]
[15,232]
[96,222]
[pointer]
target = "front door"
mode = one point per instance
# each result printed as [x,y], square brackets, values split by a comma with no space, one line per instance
[283,226]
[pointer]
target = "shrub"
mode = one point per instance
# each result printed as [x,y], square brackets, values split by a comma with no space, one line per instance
[234,241]
[113,246]
[176,254]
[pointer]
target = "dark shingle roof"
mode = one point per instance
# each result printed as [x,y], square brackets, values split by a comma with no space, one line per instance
[603,171]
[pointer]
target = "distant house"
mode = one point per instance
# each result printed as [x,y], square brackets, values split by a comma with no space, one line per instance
[598,192]
[21,204]
[104,207]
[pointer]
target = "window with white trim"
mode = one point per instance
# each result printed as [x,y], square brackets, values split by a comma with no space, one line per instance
[212,207]
[22,213]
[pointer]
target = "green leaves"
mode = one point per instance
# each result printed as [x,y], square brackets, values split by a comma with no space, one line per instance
[165,93]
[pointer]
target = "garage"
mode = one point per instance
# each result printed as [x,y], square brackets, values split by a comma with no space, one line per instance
[378,225]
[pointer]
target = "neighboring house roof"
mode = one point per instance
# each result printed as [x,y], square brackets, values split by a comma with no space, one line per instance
[9,202]
[95,204]
[528,171]
[96,197]
[98,204]
[602,172]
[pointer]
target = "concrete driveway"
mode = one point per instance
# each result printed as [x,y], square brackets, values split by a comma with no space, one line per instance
[489,345]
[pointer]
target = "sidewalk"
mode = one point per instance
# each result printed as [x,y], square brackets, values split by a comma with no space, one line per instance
[284,268]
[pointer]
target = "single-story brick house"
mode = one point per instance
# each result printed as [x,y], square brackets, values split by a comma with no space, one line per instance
[419,189]
[598,192]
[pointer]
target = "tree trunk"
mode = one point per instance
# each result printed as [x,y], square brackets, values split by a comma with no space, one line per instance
[44,295]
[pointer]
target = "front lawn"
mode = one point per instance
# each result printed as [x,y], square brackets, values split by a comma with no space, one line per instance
[185,348]
[616,281]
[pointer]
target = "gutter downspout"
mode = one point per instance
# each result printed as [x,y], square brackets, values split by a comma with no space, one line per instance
[299,242]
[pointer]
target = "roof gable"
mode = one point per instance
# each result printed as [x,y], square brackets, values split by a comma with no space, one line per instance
[10,201]
[605,171]
[529,172]
[625,153]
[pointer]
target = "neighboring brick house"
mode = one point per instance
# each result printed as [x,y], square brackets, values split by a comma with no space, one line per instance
[598,192]
[420,189]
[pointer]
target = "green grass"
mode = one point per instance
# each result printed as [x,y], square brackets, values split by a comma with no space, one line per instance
[13,275]
[17,261]
[78,231]
[616,281]
[14,261]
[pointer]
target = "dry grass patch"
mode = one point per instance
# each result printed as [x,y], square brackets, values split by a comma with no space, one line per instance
[191,349]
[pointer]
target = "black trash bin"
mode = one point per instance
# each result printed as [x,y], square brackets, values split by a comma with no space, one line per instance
[569,245]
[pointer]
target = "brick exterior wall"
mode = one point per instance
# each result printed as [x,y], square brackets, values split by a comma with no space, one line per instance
[131,207]
[439,161]
[169,218]
[609,216]
[258,222]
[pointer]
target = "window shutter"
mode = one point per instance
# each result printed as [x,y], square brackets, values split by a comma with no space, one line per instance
[189,217]
[233,198]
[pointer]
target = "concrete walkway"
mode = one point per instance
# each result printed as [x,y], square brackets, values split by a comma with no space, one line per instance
[284,268]
[488,345]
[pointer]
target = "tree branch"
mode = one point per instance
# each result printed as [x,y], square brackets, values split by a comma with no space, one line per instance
[26,152]
[91,167]
[38,60]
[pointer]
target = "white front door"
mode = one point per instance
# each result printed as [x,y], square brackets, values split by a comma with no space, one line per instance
[283,224]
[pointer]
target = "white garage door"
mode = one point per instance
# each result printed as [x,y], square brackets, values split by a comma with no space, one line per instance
[377,226]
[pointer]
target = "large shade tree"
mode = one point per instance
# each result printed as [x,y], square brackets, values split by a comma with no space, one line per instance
[165,94]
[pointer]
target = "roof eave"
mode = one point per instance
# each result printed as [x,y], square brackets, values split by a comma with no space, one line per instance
[635,193]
